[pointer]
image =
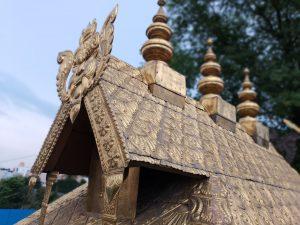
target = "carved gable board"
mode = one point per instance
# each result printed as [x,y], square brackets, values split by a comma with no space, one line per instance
[110,147]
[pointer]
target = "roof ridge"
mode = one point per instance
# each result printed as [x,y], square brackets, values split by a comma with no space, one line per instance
[136,89]
[168,106]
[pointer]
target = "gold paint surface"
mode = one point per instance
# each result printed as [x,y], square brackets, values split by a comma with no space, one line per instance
[244,183]
[211,82]
[214,104]
[186,139]
[248,109]
[158,72]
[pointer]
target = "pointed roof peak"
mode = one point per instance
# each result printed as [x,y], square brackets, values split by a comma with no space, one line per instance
[246,71]
[210,42]
[160,16]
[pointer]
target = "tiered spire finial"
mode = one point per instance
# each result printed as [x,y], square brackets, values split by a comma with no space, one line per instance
[158,47]
[247,107]
[211,83]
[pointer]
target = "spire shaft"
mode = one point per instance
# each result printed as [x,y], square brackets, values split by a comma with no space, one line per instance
[247,107]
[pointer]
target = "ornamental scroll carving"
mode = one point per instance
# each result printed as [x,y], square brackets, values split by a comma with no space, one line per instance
[87,64]
[192,210]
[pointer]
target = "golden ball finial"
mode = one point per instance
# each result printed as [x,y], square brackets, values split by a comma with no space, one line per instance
[210,42]
[246,71]
[161,2]
[210,55]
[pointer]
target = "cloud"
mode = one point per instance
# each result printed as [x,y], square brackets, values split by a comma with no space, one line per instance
[14,91]
[21,135]
[24,121]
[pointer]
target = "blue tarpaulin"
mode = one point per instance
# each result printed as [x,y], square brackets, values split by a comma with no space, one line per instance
[11,216]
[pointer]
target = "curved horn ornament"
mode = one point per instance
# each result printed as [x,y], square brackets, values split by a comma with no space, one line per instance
[65,59]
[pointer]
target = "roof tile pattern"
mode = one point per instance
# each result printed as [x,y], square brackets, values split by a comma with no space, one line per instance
[255,203]
[186,139]
[69,209]
[242,201]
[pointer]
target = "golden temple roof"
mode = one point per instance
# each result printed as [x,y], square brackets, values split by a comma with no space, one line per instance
[156,133]
[111,125]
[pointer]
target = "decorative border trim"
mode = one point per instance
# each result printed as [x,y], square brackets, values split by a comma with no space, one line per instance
[51,139]
[108,141]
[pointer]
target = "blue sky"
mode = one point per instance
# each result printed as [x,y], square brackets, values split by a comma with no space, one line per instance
[31,35]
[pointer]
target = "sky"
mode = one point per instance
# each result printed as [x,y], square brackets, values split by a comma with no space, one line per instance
[32,34]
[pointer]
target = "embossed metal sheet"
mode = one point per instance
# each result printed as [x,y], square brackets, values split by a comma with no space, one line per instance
[186,139]
[220,199]
[69,209]
[256,203]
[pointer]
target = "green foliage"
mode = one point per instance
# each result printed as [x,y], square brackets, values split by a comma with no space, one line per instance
[66,185]
[262,35]
[14,192]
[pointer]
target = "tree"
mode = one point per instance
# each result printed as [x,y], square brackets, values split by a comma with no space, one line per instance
[14,192]
[263,35]
[66,185]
